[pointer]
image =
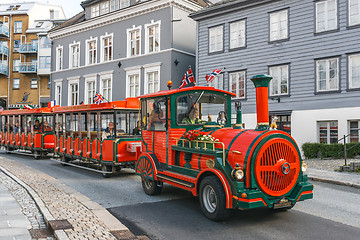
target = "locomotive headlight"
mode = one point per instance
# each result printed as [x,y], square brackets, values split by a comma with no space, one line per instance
[238,174]
[304,167]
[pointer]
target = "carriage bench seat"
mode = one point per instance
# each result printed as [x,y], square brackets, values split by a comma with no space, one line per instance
[63,150]
[57,149]
[98,155]
[88,154]
[79,152]
[71,151]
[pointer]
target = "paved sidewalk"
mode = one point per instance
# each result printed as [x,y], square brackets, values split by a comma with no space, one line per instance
[340,178]
[14,225]
[70,214]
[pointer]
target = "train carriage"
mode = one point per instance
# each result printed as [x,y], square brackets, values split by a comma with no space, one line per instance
[27,129]
[82,135]
[188,142]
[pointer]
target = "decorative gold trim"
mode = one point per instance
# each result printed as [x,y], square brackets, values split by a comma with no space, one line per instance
[210,163]
[263,124]
[211,126]
[234,151]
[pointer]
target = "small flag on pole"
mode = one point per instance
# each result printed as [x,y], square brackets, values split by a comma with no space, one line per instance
[51,104]
[211,77]
[98,98]
[187,79]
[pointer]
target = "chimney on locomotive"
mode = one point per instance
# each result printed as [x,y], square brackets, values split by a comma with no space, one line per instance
[261,83]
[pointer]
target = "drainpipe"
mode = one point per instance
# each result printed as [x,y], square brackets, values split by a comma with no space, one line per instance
[11,52]
[261,83]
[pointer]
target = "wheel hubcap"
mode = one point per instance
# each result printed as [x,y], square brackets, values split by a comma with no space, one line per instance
[209,199]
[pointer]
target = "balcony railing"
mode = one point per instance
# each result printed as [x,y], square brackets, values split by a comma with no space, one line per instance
[28,67]
[4,31]
[4,50]
[4,69]
[28,48]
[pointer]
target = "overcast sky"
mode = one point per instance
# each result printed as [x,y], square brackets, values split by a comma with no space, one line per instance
[71,7]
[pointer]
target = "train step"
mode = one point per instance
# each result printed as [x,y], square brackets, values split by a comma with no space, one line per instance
[176,180]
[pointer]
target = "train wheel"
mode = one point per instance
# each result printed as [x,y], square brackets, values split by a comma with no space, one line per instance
[150,186]
[213,199]
[37,154]
[64,159]
[105,168]
[8,150]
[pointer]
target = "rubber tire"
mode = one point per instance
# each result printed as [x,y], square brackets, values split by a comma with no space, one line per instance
[107,169]
[151,187]
[7,150]
[220,213]
[37,155]
[64,159]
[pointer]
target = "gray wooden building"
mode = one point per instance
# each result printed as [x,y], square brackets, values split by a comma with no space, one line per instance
[122,48]
[312,50]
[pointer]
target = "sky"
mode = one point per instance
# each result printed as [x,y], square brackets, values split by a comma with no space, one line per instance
[70,7]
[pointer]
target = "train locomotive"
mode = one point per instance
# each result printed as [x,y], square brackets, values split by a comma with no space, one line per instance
[227,167]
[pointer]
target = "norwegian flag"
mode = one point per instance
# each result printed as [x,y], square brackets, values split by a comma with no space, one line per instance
[187,79]
[98,98]
[211,77]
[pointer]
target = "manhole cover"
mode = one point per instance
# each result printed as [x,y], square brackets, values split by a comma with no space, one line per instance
[40,233]
[60,224]
[123,235]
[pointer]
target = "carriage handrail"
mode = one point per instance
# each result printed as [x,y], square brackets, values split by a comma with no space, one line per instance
[205,143]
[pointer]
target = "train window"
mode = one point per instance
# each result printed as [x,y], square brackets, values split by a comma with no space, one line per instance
[47,124]
[107,125]
[198,108]
[134,123]
[17,125]
[83,125]
[75,125]
[155,119]
[59,126]
[93,122]
[67,124]
[126,122]
[24,123]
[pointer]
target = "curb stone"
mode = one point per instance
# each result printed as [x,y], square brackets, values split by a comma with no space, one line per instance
[348,184]
[59,234]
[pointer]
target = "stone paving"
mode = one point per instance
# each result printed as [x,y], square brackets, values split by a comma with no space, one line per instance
[13,224]
[328,164]
[88,219]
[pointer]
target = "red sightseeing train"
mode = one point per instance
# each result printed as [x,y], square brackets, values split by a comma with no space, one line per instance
[227,167]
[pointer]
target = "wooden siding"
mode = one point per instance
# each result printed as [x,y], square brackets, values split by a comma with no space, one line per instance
[300,51]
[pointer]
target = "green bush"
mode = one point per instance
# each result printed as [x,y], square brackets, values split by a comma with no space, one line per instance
[334,150]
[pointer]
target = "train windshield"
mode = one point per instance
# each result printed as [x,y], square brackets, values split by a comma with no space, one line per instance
[199,108]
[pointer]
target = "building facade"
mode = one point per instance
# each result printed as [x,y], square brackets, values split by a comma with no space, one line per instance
[309,47]
[25,53]
[122,49]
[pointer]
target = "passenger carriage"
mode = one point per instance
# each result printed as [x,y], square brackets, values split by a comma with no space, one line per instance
[27,129]
[79,134]
[227,166]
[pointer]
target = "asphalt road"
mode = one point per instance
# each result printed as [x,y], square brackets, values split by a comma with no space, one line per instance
[334,213]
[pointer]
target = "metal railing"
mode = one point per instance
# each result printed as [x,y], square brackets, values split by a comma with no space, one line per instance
[4,50]
[345,148]
[4,30]
[4,69]
[28,67]
[203,145]
[28,48]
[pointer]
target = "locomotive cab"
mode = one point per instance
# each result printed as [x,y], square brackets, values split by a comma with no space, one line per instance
[188,142]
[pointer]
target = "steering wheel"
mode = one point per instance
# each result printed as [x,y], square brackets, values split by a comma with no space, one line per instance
[222,118]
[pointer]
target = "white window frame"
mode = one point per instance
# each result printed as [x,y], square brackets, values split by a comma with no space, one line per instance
[125,3]
[237,36]
[280,69]
[102,52]
[275,31]
[72,81]
[349,128]
[58,97]
[95,10]
[59,58]
[148,69]
[114,5]
[328,140]
[16,28]
[104,76]
[357,21]
[326,17]
[131,72]
[147,40]
[215,82]
[14,83]
[327,74]
[16,65]
[214,35]
[128,35]
[89,78]
[31,83]
[104,7]
[237,85]
[71,53]
[95,52]
[351,85]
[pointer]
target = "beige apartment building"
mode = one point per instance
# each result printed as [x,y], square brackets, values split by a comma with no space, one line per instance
[25,53]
